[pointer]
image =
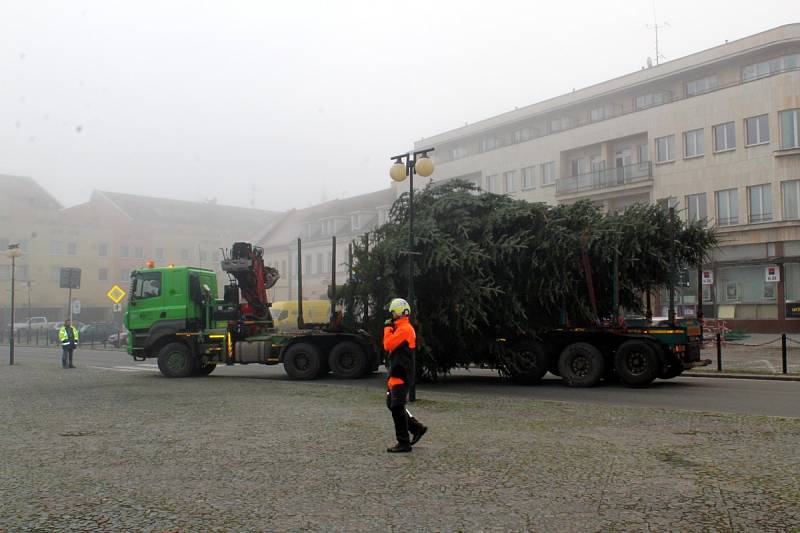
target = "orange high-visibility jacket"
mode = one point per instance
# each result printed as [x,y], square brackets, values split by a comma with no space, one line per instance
[402,332]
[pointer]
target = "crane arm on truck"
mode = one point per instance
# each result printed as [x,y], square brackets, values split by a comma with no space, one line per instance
[246,266]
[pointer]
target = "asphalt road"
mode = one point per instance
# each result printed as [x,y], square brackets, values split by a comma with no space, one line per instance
[759,397]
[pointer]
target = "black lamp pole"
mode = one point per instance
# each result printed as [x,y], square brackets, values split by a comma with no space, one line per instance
[13,252]
[410,159]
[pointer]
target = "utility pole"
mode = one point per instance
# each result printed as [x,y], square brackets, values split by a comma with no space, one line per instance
[13,252]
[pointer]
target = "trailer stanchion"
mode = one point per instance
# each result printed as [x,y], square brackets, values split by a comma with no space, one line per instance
[719,352]
[784,366]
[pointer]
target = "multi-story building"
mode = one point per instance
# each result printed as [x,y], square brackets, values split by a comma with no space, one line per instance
[108,237]
[715,134]
[347,219]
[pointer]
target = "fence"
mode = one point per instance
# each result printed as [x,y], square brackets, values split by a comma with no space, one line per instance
[49,338]
[761,354]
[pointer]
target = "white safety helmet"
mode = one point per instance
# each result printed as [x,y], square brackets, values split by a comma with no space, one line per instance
[399,307]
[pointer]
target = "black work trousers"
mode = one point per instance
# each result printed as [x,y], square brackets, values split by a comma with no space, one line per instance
[404,423]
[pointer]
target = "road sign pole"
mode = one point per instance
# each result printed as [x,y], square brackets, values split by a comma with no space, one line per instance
[70,304]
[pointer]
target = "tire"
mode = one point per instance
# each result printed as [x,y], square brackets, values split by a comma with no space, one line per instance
[204,370]
[175,360]
[672,369]
[581,365]
[302,361]
[348,360]
[636,363]
[527,362]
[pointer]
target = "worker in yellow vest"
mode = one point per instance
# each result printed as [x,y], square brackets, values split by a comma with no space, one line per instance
[68,337]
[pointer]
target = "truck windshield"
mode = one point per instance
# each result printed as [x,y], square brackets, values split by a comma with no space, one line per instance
[146,285]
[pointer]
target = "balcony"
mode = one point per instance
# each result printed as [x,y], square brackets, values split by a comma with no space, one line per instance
[605,178]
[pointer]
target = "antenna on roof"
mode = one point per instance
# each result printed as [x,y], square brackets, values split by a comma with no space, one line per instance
[655,27]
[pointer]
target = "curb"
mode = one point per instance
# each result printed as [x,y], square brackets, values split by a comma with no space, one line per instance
[767,377]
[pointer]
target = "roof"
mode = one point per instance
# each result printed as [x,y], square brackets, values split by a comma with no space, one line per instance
[771,37]
[290,226]
[22,191]
[150,209]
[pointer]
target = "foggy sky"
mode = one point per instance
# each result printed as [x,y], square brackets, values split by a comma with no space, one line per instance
[306,99]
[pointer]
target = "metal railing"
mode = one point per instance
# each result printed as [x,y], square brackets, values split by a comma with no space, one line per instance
[605,178]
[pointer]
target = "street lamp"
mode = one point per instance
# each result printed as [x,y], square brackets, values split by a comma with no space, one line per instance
[405,166]
[13,252]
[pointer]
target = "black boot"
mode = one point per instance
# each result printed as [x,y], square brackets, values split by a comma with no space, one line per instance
[399,448]
[415,436]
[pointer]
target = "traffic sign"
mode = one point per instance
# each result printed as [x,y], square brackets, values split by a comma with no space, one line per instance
[69,278]
[76,307]
[116,308]
[116,294]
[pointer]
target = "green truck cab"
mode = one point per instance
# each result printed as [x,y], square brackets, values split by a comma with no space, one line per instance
[174,314]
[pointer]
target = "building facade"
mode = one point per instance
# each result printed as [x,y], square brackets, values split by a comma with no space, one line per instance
[107,237]
[715,134]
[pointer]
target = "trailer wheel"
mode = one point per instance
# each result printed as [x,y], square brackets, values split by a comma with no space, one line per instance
[175,360]
[302,361]
[636,363]
[581,365]
[527,362]
[204,370]
[348,360]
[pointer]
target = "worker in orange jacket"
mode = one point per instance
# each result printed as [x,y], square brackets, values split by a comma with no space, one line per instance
[399,340]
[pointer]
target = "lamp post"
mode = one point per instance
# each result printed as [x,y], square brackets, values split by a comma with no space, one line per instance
[405,166]
[13,252]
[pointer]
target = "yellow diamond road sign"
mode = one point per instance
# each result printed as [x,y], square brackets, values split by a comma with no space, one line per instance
[116,294]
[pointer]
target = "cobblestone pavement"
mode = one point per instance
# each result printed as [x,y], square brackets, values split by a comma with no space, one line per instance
[96,450]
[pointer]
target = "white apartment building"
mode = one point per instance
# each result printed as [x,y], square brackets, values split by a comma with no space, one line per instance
[715,134]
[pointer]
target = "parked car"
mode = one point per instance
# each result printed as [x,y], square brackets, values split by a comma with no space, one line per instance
[34,324]
[119,340]
[97,333]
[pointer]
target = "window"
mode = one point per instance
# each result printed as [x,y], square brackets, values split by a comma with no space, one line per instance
[354,221]
[652,99]
[577,167]
[148,285]
[124,251]
[56,248]
[643,152]
[702,85]
[529,177]
[791,199]
[598,113]
[561,123]
[773,66]
[489,143]
[138,252]
[102,249]
[727,207]
[102,274]
[458,152]
[665,149]
[693,142]
[724,137]
[760,200]
[124,275]
[548,172]
[790,132]
[72,248]
[521,135]
[283,266]
[320,264]
[55,274]
[159,253]
[328,260]
[696,205]
[509,181]
[757,130]
[308,264]
[491,183]
[185,255]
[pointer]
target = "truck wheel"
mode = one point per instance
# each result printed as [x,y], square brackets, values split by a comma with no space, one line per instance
[581,365]
[527,362]
[204,370]
[302,361]
[636,363]
[347,360]
[175,360]
[672,369]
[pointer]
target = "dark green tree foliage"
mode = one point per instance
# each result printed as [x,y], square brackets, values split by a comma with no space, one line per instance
[492,267]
